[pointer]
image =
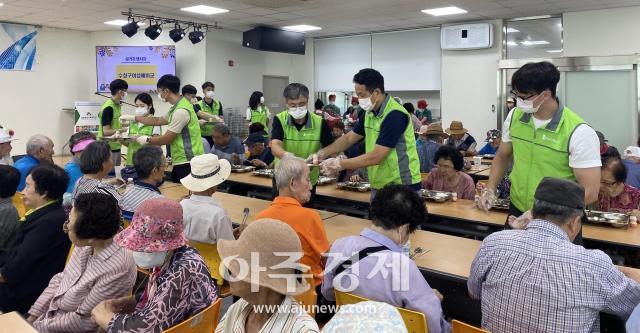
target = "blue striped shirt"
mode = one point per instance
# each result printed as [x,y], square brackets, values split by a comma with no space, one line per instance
[536,280]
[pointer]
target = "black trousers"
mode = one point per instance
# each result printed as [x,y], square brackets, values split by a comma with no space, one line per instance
[516,212]
[180,171]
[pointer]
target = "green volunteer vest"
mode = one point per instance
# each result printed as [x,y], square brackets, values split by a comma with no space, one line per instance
[539,153]
[188,143]
[402,165]
[207,129]
[132,148]
[259,116]
[115,121]
[302,143]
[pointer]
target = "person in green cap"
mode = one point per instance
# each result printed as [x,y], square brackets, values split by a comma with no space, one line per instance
[210,111]
[110,116]
[183,131]
[390,145]
[297,131]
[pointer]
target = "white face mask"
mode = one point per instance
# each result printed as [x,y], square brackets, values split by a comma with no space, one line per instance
[124,94]
[210,94]
[262,100]
[527,106]
[160,97]
[142,111]
[365,103]
[298,113]
[149,260]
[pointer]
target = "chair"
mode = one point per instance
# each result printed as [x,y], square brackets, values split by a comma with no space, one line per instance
[19,204]
[460,327]
[69,254]
[308,299]
[416,322]
[209,253]
[204,321]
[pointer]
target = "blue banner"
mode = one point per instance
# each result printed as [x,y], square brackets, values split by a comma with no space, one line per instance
[17,46]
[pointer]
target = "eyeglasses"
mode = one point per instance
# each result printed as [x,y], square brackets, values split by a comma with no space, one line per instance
[604,183]
[514,93]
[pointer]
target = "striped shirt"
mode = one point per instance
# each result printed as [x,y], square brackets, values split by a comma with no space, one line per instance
[90,185]
[66,304]
[536,280]
[290,317]
[135,195]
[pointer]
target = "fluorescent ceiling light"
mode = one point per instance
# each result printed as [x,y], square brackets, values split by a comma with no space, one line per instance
[1,4]
[554,51]
[534,42]
[511,30]
[121,23]
[205,10]
[531,18]
[444,11]
[301,28]
[512,43]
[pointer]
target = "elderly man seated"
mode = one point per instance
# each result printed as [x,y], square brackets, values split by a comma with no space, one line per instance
[150,164]
[397,212]
[226,146]
[39,150]
[536,280]
[294,186]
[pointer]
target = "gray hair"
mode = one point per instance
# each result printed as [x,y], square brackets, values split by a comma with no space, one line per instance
[146,159]
[222,129]
[553,212]
[290,167]
[37,142]
[295,90]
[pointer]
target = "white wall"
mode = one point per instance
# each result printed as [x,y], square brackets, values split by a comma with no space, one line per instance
[33,100]
[602,32]
[469,86]
[235,84]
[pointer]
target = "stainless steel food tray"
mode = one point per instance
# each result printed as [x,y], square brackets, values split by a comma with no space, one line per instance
[437,196]
[242,168]
[354,186]
[617,220]
[264,173]
[323,180]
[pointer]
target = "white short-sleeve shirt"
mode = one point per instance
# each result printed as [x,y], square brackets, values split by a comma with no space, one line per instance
[584,146]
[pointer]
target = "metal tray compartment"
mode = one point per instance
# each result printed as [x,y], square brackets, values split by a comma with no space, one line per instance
[617,220]
[437,196]
[323,180]
[242,168]
[501,204]
[354,186]
[264,173]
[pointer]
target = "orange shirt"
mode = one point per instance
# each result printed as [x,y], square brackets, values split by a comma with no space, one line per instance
[308,225]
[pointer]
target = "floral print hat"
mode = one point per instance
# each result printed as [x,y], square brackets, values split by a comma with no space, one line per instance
[156,226]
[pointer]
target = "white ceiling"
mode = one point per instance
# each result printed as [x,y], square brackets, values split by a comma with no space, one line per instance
[334,16]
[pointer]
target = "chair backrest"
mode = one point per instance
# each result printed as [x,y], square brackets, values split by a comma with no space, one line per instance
[19,204]
[308,299]
[69,254]
[415,321]
[204,321]
[209,253]
[460,327]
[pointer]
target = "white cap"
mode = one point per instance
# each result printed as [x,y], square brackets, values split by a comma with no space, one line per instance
[632,151]
[5,137]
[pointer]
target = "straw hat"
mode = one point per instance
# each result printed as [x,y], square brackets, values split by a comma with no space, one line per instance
[432,129]
[456,127]
[265,238]
[157,225]
[207,171]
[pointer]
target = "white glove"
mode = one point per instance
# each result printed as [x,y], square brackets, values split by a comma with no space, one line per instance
[202,122]
[316,158]
[128,117]
[331,167]
[520,222]
[486,200]
[143,139]
[215,119]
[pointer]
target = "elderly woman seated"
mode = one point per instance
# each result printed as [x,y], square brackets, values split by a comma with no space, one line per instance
[270,285]
[179,284]
[95,164]
[98,269]
[40,247]
[615,195]
[448,175]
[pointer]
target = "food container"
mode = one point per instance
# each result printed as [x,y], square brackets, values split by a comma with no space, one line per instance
[501,204]
[437,196]
[264,173]
[354,186]
[242,168]
[489,156]
[617,220]
[323,180]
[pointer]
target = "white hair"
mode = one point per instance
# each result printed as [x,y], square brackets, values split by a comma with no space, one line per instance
[290,167]
[36,142]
